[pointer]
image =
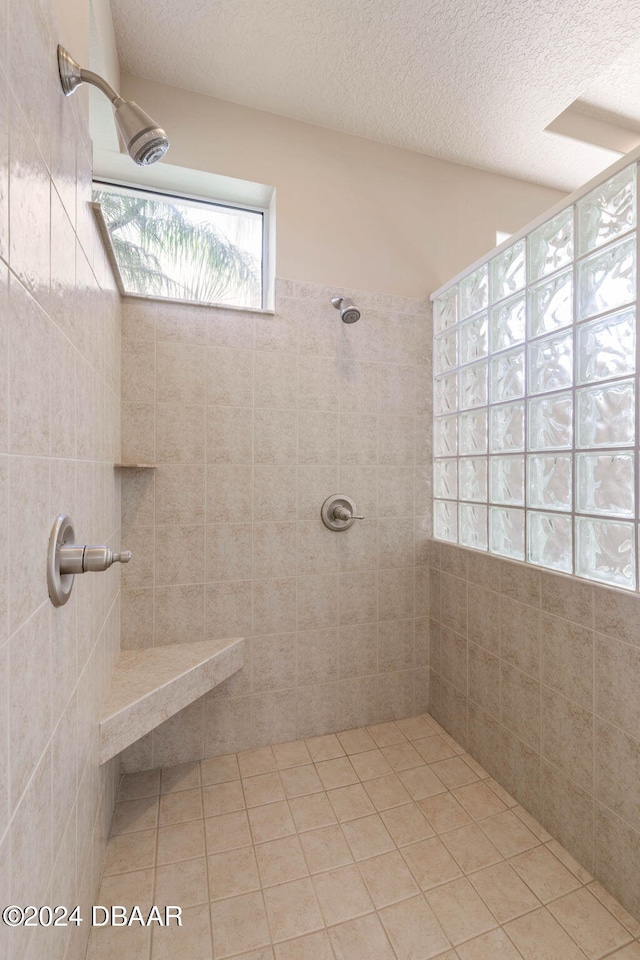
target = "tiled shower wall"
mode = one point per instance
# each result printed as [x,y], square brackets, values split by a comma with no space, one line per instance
[537,675]
[253,420]
[59,436]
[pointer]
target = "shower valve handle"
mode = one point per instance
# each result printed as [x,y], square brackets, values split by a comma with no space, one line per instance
[342,513]
[79,559]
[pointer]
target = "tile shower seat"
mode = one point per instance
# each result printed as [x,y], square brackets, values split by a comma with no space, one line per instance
[149,686]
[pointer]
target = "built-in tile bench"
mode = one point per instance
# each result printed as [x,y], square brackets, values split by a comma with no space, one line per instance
[149,686]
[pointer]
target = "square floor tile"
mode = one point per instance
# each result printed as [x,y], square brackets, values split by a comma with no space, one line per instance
[388,879]
[544,874]
[192,939]
[430,862]
[509,834]
[313,946]
[336,773]
[325,849]
[232,873]
[367,837]
[254,762]
[181,841]
[226,832]
[370,764]
[312,812]
[494,945]
[219,769]
[184,776]
[326,747]
[342,894]
[386,792]
[292,754]
[271,821]
[280,861]
[479,800]
[460,911]
[585,919]
[538,934]
[433,749]
[130,851]
[386,734]
[222,798]
[454,772]
[264,788]
[444,812]
[407,824]
[506,895]
[402,756]
[414,930]
[350,802]
[356,741]
[470,848]
[422,782]
[292,909]
[301,780]
[184,883]
[361,939]
[239,925]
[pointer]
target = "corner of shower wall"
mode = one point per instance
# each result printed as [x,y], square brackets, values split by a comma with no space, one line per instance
[253,419]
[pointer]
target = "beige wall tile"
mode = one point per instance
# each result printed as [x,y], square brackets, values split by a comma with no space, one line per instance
[229,377]
[567,659]
[568,737]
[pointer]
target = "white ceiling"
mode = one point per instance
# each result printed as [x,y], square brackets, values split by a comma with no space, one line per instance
[474,81]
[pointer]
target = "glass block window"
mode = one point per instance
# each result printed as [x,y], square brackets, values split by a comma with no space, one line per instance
[535,396]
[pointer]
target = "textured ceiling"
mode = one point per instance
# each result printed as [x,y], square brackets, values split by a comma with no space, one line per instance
[475,81]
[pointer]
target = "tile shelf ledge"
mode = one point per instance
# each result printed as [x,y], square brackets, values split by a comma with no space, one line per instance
[134,466]
[149,686]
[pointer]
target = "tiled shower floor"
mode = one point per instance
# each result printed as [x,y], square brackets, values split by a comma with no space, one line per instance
[380,843]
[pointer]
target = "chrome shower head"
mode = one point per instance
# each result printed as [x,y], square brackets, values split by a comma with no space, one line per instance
[146,142]
[348,310]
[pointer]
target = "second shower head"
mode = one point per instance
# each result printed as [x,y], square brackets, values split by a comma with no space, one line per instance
[348,310]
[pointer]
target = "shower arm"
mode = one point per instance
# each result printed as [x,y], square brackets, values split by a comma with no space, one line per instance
[88,76]
[72,75]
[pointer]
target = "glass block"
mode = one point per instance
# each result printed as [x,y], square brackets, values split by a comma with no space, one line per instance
[607,348]
[445,479]
[550,422]
[607,279]
[473,339]
[551,245]
[445,437]
[508,323]
[550,541]
[506,532]
[549,482]
[506,480]
[445,520]
[446,394]
[472,526]
[445,355]
[606,484]
[473,479]
[445,310]
[605,415]
[551,363]
[507,375]
[607,211]
[551,304]
[473,432]
[474,292]
[605,551]
[507,428]
[508,272]
[473,385]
